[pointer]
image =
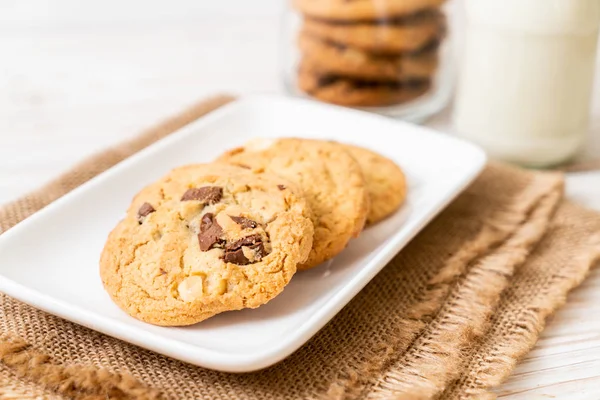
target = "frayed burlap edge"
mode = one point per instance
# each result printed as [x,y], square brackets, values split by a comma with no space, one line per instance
[434,358]
[492,361]
[501,361]
[503,242]
[72,381]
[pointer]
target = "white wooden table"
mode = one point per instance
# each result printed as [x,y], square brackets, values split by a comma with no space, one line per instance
[76,77]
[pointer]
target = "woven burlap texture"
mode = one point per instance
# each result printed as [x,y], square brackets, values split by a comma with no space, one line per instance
[448,318]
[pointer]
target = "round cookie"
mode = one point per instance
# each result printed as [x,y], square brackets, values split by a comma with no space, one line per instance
[330,179]
[386,183]
[363,10]
[203,240]
[358,93]
[381,38]
[348,61]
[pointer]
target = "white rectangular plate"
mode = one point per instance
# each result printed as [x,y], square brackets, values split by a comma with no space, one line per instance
[51,259]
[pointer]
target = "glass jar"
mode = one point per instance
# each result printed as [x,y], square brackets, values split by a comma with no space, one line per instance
[387,56]
[527,77]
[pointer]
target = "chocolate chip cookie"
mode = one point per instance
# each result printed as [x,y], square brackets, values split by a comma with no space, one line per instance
[347,61]
[386,183]
[393,37]
[330,179]
[203,240]
[341,90]
[363,10]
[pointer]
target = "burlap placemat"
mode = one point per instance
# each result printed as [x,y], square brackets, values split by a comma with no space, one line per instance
[448,318]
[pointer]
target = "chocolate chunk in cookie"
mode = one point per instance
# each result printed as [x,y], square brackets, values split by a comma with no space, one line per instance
[281,187]
[236,257]
[145,210]
[206,221]
[210,233]
[244,222]
[247,241]
[207,194]
[234,252]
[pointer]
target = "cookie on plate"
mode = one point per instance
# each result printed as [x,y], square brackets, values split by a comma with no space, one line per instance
[363,10]
[388,37]
[337,89]
[386,182]
[330,179]
[351,62]
[203,240]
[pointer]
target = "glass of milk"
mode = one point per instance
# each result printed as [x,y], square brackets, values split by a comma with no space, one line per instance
[526,81]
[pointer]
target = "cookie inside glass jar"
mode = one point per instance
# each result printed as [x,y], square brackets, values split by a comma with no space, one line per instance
[369,53]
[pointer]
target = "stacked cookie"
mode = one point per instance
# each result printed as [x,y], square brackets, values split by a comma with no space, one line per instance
[229,235]
[369,52]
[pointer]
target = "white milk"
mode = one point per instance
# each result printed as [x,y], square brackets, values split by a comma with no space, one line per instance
[527,77]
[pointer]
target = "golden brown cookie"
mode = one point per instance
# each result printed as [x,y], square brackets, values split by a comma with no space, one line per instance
[348,61]
[345,91]
[381,38]
[385,182]
[330,179]
[363,10]
[203,240]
